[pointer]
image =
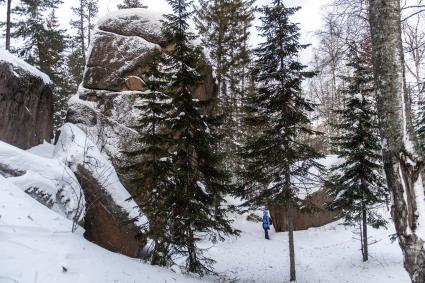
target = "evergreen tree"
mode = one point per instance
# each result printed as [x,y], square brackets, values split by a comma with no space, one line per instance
[129,4]
[36,36]
[181,177]
[44,45]
[224,27]
[85,13]
[154,166]
[357,186]
[278,165]
[57,68]
[420,128]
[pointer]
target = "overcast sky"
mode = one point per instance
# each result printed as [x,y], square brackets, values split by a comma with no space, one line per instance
[309,17]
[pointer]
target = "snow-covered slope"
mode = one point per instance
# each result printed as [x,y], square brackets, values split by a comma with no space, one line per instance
[36,245]
[74,147]
[45,178]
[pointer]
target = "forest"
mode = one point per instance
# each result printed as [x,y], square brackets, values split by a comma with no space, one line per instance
[212,141]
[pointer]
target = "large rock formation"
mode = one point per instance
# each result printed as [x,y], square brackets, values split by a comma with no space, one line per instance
[107,224]
[112,220]
[315,197]
[121,50]
[104,109]
[26,103]
[319,216]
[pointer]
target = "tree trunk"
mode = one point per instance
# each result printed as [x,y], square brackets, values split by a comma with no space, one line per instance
[401,163]
[191,249]
[291,242]
[364,231]
[82,32]
[8,24]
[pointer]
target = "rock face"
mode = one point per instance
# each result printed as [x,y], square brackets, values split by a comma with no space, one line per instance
[26,103]
[104,109]
[303,221]
[105,223]
[121,50]
[112,220]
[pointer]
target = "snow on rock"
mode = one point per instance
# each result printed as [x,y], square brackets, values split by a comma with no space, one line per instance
[36,245]
[134,22]
[26,103]
[49,181]
[74,147]
[21,64]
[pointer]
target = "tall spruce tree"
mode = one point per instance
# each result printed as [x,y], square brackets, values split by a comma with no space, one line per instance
[55,66]
[129,4]
[44,45]
[183,180]
[357,185]
[36,36]
[153,170]
[201,181]
[277,162]
[224,26]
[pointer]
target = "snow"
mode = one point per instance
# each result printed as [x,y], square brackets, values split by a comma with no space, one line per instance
[328,254]
[19,63]
[45,175]
[36,245]
[153,18]
[74,147]
[420,209]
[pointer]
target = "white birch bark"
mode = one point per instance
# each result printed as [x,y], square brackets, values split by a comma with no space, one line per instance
[402,164]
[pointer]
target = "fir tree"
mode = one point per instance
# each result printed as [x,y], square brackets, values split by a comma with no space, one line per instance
[200,180]
[357,186]
[420,128]
[44,45]
[129,4]
[224,27]
[154,168]
[278,164]
[35,35]
[181,177]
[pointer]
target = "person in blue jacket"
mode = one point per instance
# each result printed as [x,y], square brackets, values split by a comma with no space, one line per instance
[267,221]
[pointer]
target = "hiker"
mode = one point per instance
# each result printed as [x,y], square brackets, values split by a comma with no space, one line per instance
[267,221]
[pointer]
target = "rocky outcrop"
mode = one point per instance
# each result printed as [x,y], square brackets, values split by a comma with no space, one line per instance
[112,219]
[107,224]
[104,109]
[317,217]
[26,103]
[114,79]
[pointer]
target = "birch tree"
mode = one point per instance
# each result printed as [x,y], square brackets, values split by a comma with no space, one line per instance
[401,162]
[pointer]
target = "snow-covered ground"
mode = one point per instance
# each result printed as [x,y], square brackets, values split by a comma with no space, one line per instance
[36,243]
[328,254]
